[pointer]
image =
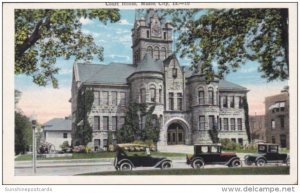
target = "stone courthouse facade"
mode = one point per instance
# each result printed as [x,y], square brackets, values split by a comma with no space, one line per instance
[186,105]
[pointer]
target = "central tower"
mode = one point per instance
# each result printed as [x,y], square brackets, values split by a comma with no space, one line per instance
[151,34]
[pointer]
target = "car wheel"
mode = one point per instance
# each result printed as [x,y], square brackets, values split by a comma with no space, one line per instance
[248,162]
[197,164]
[260,162]
[125,166]
[287,162]
[166,165]
[235,163]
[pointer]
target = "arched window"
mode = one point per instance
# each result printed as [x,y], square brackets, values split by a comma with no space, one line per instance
[201,96]
[150,51]
[163,53]
[156,53]
[210,96]
[160,94]
[152,93]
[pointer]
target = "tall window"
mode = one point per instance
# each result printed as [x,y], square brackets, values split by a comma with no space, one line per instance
[241,141]
[201,122]
[210,96]
[226,124]
[273,124]
[114,98]
[171,101]
[150,51]
[211,122]
[160,95]
[240,126]
[105,143]
[163,53]
[97,98]
[114,123]
[105,97]
[143,95]
[148,34]
[240,102]
[281,121]
[220,124]
[231,101]
[232,124]
[156,53]
[283,140]
[165,35]
[273,139]
[179,101]
[96,125]
[121,122]
[122,98]
[97,144]
[105,123]
[201,96]
[153,94]
[225,104]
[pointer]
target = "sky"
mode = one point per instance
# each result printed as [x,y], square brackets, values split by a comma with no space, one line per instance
[47,103]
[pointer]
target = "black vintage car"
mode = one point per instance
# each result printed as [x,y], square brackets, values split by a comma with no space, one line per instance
[125,160]
[267,153]
[206,154]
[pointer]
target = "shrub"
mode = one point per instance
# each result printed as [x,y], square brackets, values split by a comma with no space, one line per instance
[87,149]
[230,145]
[79,149]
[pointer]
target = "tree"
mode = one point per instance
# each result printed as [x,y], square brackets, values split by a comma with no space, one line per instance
[230,37]
[43,35]
[23,133]
[213,134]
[246,110]
[151,130]
[83,131]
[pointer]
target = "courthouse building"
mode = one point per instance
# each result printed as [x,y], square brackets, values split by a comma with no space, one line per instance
[186,105]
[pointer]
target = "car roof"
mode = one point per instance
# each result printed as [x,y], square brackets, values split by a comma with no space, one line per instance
[123,145]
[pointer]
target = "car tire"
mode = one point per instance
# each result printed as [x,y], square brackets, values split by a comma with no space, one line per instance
[197,164]
[125,166]
[287,161]
[260,162]
[166,165]
[235,163]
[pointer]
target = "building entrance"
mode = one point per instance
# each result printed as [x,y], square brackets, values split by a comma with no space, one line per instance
[176,134]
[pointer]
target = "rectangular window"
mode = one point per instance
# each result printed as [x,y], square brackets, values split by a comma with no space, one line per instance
[225,104]
[143,95]
[114,123]
[148,34]
[104,142]
[211,121]
[160,95]
[232,124]
[283,141]
[201,97]
[165,35]
[65,135]
[210,97]
[281,121]
[97,98]
[114,98]
[240,124]
[171,101]
[220,124]
[273,139]
[96,125]
[273,124]
[226,124]
[152,94]
[97,143]
[201,122]
[179,101]
[122,98]
[121,122]
[231,99]
[105,123]
[105,98]
[241,141]
[241,102]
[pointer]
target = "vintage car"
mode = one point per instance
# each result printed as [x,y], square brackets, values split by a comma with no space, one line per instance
[267,153]
[125,160]
[208,154]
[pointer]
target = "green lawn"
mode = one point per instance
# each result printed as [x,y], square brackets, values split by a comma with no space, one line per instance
[99,155]
[283,170]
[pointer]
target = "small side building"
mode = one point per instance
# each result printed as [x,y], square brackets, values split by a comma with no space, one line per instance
[58,130]
[277,118]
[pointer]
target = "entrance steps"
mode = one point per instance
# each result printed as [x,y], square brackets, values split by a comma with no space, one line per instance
[188,149]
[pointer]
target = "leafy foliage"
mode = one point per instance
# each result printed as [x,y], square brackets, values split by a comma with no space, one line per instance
[131,129]
[23,133]
[247,125]
[230,37]
[43,35]
[213,134]
[83,132]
